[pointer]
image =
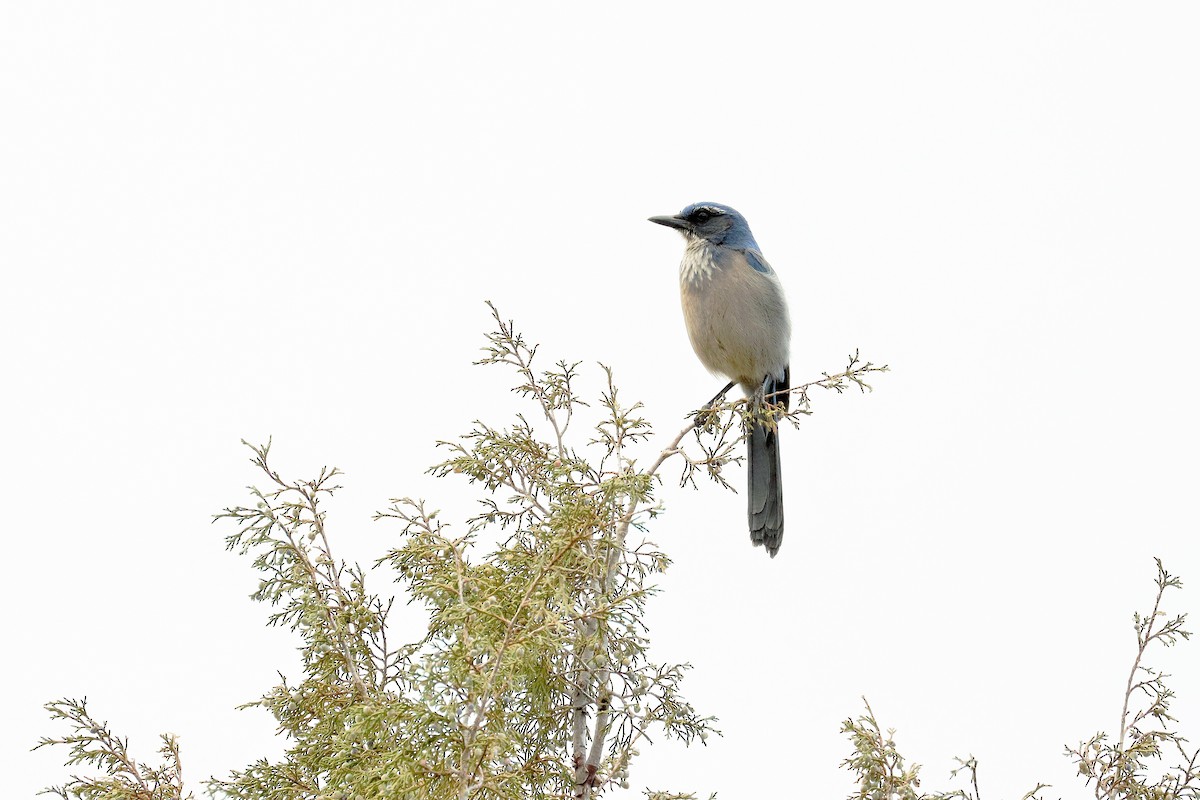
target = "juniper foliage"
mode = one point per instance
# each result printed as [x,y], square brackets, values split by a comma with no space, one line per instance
[1147,760]
[533,678]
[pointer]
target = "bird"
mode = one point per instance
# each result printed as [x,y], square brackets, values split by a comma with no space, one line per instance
[737,320]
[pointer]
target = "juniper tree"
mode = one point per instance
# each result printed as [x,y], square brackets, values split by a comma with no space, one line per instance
[533,678]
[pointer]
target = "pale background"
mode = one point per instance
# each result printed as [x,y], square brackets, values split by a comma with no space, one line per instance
[228,220]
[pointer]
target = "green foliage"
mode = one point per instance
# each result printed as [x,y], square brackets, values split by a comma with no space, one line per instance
[1133,765]
[533,677]
[93,743]
[1132,768]
[877,764]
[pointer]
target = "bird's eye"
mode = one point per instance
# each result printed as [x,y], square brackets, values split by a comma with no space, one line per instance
[702,216]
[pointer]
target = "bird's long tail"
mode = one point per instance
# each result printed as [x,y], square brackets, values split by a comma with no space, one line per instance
[765,481]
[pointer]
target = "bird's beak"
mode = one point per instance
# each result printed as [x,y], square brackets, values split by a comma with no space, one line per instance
[676,221]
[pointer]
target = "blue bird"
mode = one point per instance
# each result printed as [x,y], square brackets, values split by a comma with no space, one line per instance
[737,320]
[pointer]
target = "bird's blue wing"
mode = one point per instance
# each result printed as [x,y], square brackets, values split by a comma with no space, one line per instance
[755,259]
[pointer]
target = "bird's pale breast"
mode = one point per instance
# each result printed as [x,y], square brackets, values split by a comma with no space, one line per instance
[736,316]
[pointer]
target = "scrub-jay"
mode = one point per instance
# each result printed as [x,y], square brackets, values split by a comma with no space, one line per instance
[737,319]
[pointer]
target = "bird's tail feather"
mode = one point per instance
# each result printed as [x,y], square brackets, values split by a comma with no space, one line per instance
[765,481]
[765,488]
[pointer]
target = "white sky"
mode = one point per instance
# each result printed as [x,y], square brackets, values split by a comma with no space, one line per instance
[230,219]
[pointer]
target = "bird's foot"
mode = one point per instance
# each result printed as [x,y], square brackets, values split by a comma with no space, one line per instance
[701,416]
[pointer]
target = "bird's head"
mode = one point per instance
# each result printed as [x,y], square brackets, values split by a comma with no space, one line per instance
[712,222]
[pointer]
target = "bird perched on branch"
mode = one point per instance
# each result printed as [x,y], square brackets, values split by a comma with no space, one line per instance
[737,320]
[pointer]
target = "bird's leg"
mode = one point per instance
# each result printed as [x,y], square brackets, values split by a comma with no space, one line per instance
[758,402]
[712,404]
[719,396]
[763,406]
